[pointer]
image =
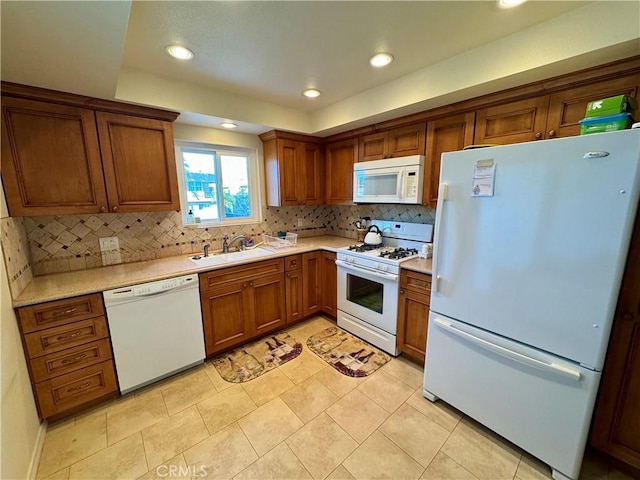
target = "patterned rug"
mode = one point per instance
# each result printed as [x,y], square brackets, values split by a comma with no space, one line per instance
[251,361]
[346,353]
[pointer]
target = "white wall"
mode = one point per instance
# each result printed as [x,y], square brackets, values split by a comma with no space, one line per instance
[19,422]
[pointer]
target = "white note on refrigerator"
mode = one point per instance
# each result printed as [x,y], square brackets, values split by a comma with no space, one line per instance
[484,176]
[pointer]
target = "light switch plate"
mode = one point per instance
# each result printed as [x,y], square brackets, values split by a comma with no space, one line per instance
[300,222]
[110,250]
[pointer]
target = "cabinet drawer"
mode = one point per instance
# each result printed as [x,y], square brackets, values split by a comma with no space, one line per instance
[60,312]
[416,282]
[70,360]
[67,391]
[292,262]
[66,336]
[233,274]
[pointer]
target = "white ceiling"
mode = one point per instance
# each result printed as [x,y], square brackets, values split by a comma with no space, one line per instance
[253,59]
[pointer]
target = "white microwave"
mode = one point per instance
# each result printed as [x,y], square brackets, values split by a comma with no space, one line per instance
[392,180]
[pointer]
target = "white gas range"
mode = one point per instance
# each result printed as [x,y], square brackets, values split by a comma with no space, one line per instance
[368,281]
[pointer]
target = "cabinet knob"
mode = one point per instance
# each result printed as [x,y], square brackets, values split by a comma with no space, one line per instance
[115,209]
[538,135]
[552,133]
[401,292]
[251,284]
[288,275]
[627,317]
[103,209]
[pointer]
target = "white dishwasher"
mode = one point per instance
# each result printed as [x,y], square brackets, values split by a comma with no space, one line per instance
[156,330]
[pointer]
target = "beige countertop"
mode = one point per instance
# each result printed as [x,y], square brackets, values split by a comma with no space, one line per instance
[422,265]
[80,282]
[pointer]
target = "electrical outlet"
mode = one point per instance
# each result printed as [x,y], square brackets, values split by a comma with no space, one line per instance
[110,250]
[301,222]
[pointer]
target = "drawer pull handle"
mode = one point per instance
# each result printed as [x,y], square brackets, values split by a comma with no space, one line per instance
[75,359]
[420,283]
[66,312]
[64,338]
[80,387]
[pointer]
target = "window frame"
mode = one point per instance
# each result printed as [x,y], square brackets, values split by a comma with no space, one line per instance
[254,183]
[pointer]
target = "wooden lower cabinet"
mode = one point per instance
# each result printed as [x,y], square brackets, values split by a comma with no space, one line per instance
[69,355]
[329,274]
[311,283]
[413,314]
[242,303]
[616,422]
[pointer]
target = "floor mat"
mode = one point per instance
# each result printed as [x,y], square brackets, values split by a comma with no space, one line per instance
[250,361]
[347,354]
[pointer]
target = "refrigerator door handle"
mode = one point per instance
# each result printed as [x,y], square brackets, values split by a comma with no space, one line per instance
[505,352]
[443,191]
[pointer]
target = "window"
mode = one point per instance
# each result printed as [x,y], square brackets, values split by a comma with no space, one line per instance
[219,184]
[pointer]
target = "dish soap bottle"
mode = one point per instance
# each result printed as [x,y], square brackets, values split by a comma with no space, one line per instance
[191,219]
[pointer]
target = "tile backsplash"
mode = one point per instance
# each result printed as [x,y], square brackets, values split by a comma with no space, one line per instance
[15,248]
[70,242]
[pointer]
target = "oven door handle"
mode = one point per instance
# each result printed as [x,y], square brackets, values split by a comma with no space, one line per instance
[353,268]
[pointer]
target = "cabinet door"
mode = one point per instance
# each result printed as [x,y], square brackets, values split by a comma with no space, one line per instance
[311,178]
[329,284]
[514,122]
[568,107]
[139,163]
[340,158]
[50,159]
[617,415]
[267,303]
[293,286]
[373,146]
[413,317]
[290,171]
[409,140]
[227,316]
[444,135]
[311,278]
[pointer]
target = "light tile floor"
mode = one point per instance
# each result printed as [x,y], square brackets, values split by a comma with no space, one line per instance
[302,420]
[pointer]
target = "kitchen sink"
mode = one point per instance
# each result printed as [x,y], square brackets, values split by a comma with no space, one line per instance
[222,258]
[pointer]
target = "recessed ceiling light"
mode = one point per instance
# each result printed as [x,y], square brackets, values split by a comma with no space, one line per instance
[182,53]
[510,3]
[381,59]
[311,93]
[228,124]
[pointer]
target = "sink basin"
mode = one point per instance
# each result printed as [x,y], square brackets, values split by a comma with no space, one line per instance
[221,258]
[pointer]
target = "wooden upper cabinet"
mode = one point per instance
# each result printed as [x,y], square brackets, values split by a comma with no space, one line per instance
[139,163]
[567,108]
[444,135]
[294,171]
[339,158]
[515,122]
[397,142]
[68,154]
[51,160]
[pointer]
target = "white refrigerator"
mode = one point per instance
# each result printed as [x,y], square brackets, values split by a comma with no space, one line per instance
[529,250]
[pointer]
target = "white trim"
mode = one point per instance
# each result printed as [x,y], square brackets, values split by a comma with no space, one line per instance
[37,450]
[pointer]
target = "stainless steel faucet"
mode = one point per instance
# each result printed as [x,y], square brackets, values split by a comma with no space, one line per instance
[226,244]
[206,250]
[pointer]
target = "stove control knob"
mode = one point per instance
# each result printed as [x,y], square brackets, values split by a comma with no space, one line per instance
[384,268]
[377,266]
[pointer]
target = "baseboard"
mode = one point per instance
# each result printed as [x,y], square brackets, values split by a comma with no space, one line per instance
[37,451]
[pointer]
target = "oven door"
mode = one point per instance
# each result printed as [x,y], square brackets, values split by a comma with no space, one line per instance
[369,296]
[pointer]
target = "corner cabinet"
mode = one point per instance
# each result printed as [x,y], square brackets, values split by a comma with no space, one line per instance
[616,422]
[397,142]
[66,154]
[242,303]
[294,169]
[339,158]
[413,314]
